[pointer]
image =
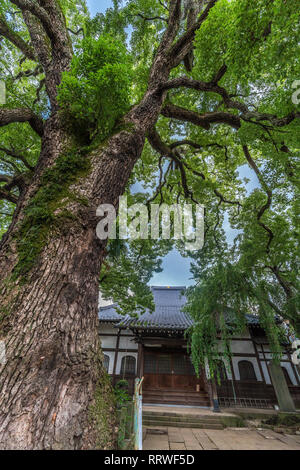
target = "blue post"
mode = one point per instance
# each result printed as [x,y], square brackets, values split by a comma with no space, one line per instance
[138,413]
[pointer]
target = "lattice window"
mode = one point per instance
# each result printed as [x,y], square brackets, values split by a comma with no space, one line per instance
[179,365]
[150,364]
[128,365]
[182,365]
[164,364]
[247,372]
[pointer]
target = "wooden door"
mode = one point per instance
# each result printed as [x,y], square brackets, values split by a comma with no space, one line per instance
[170,371]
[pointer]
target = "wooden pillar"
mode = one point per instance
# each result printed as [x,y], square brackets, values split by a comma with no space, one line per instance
[116,358]
[140,368]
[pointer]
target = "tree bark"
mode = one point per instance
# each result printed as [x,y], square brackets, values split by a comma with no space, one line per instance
[50,324]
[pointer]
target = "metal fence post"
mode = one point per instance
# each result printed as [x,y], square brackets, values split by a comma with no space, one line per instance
[138,415]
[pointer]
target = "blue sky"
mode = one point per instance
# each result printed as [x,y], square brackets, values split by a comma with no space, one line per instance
[176,269]
[98,5]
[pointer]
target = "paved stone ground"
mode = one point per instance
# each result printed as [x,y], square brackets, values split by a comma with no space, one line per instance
[171,438]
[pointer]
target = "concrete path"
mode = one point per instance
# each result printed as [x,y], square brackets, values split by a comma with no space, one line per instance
[163,438]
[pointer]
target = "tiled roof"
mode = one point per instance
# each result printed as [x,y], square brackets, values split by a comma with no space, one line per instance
[252,320]
[109,314]
[167,314]
[164,317]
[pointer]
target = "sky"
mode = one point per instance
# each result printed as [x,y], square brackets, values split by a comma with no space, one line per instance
[96,6]
[176,269]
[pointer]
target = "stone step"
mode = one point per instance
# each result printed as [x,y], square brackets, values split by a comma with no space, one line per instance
[175,392]
[198,425]
[177,401]
[182,418]
[162,412]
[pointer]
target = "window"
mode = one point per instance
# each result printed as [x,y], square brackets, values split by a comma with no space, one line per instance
[150,364]
[287,376]
[247,372]
[177,364]
[164,364]
[106,362]
[182,365]
[128,365]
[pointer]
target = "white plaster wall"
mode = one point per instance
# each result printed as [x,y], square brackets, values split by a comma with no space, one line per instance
[111,356]
[245,334]
[127,343]
[107,329]
[120,356]
[266,372]
[242,347]
[290,371]
[126,332]
[236,360]
[108,341]
[270,356]
[297,372]
[287,366]
[238,347]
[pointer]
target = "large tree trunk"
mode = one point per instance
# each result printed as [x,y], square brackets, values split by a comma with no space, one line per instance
[53,391]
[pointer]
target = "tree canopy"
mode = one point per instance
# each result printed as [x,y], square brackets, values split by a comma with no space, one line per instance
[229,102]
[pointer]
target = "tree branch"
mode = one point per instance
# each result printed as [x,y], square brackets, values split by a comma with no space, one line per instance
[162,148]
[39,12]
[267,205]
[8,116]
[167,151]
[16,40]
[55,54]
[8,196]
[14,181]
[195,145]
[213,87]
[17,156]
[202,120]
[182,46]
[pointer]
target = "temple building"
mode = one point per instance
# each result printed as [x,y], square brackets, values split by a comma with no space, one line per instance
[154,346]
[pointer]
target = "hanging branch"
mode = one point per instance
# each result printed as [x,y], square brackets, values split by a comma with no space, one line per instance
[269,195]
